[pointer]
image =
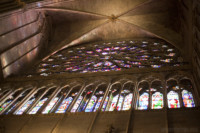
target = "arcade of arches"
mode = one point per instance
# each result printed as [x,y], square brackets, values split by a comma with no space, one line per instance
[74,66]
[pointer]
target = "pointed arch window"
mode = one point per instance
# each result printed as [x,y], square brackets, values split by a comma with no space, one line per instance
[113,97]
[143,102]
[30,101]
[42,101]
[186,93]
[156,92]
[18,100]
[96,99]
[68,100]
[127,95]
[9,99]
[173,95]
[2,94]
[83,99]
[50,107]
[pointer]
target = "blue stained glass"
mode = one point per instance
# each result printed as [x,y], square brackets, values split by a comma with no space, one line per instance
[104,104]
[187,99]
[113,103]
[24,107]
[91,104]
[76,105]
[64,105]
[119,105]
[127,102]
[12,108]
[143,101]
[50,106]
[173,100]
[98,104]
[157,100]
[5,105]
[38,106]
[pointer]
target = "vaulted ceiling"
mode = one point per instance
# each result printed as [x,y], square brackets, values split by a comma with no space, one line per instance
[81,21]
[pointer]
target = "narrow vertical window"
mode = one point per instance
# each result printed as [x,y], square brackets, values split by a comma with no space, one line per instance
[173,94]
[114,94]
[55,100]
[42,101]
[187,88]
[18,100]
[156,95]
[127,93]
[68,100]
[28,103]
[9,99]
[187,99]
[143,102]
[173,100]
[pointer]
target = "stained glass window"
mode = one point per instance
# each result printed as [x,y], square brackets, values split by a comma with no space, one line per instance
[9,99]
[25,106]
[110,56]
[64,105]
[98,104]
[18,100]
[91,104]
[157,100]
[105,104]
[120,102]
[76,105]
[187,99]
[143,101]
[113,103]
[38,106]
[173,100]
[127,102]
[68,100]
[42,101]
[50,105]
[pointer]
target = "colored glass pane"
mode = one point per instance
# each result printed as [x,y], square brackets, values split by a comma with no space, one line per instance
[187,99]
[143,101]
[50,106]
[113,103]
[157,100]
[76,105]
[104,104]
[119,105]
[91,104]
[98,104]
[24,107]
[5,105]
[38,106]
[12,108]
[173,100]
[127,102]
[64,105]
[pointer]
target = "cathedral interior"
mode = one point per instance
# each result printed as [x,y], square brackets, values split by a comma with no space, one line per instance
[99,66]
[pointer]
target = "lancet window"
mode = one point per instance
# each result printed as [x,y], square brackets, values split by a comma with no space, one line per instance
[143,101]
[156,93]
[27,104]
[83,99]
[173,96]
[96,99]
[8,100]
[68,99]
[113,96]
[42,101]
[59,97]
[18,100]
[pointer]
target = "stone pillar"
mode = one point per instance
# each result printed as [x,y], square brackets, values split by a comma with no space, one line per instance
[1,73]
